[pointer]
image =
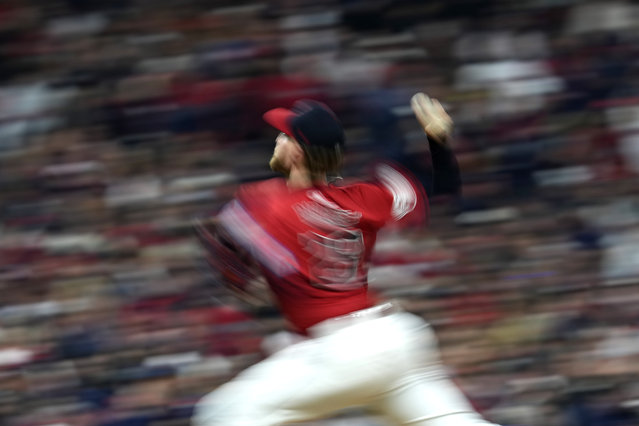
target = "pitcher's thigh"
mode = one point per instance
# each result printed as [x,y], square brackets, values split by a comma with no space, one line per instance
[429,398]
[293,385]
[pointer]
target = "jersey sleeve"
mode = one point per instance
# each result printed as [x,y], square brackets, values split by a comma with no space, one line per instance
[409,203]
[231,262]
[238,222]
[393,196]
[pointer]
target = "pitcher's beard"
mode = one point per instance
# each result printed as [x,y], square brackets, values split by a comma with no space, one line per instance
[277,166]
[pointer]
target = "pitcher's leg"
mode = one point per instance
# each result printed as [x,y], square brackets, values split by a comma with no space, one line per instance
[425,395]
[268,393]
[429,398]
[306,381]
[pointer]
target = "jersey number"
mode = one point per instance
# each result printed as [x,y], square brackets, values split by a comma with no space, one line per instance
[335,258]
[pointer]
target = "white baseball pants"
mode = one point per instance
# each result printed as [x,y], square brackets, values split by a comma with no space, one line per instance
[389,364]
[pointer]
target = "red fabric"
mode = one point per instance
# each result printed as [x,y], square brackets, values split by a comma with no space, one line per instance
[326,234]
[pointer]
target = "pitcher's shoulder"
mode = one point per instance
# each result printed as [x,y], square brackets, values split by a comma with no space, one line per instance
[262,187]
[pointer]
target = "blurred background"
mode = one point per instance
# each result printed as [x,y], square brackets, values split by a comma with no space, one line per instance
[120,120]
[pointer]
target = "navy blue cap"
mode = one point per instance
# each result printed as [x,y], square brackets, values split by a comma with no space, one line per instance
[311,123]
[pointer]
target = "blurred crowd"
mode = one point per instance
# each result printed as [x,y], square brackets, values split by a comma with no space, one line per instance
[122,120]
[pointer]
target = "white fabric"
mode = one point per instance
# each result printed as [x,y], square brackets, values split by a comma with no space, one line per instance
[389,364]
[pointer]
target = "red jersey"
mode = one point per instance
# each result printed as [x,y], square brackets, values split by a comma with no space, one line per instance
[314,244]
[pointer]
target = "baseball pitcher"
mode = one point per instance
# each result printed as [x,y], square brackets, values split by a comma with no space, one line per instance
[312,240]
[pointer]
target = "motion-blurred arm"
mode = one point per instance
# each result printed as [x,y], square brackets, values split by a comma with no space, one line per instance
[234,267]
[438,126]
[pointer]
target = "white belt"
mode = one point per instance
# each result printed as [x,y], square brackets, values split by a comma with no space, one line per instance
[333,324]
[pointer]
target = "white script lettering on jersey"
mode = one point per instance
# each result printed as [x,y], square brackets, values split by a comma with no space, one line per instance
[404,196]
[325,214]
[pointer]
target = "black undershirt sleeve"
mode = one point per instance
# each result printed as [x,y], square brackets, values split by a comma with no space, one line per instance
[446,175]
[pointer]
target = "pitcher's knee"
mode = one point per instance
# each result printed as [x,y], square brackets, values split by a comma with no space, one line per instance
[227,407]
[211,411]
[455,419]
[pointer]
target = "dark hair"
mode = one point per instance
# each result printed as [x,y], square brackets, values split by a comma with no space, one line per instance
[321,160]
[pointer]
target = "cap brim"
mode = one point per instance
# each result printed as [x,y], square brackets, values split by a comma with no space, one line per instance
[281,119]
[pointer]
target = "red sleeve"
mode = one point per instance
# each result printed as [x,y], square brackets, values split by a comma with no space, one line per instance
[231,262]
[255,192]
[409,203]
[394,196]
[373,201]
